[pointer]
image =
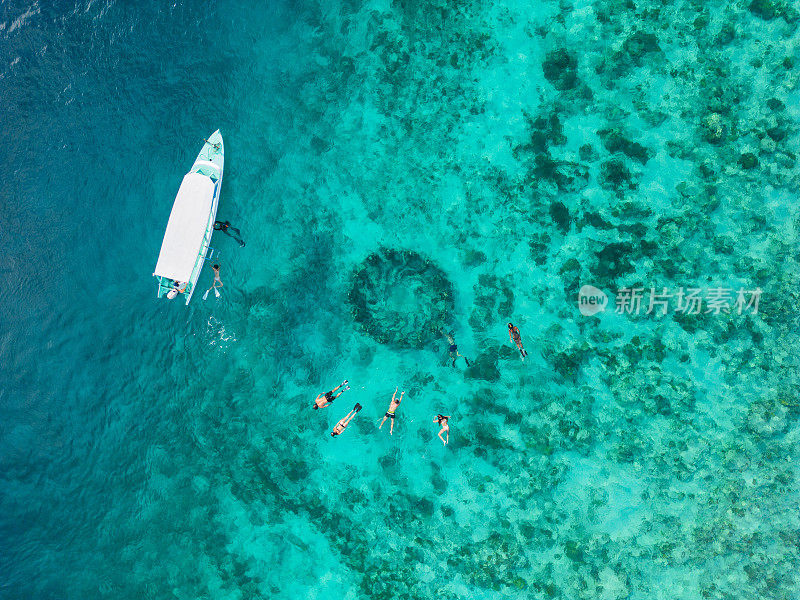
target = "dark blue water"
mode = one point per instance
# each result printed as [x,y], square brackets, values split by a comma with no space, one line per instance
[104,106]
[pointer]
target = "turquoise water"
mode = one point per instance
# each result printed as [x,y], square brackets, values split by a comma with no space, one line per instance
[398,170]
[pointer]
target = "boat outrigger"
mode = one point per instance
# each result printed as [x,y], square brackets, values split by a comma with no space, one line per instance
[191,223]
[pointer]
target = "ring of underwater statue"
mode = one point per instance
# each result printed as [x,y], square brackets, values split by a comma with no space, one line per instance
[401,298]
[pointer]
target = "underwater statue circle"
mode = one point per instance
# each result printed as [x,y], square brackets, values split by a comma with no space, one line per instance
[401,298]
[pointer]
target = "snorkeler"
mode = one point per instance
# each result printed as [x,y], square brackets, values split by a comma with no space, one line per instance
[392,408]
[513,333]
[226,228]
[343,423]
[325,399]
[178,287]
[442,420]
[214,285]
[453,349]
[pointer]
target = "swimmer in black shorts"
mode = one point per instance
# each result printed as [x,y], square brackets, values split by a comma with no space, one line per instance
[392,408]
[325,399]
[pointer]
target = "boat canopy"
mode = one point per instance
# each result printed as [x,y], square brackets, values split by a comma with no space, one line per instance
[186,228]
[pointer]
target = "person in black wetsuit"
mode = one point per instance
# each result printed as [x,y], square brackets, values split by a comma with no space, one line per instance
[453,349]
[226,228]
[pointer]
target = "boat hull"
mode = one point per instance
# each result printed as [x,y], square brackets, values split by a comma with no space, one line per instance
[210,163]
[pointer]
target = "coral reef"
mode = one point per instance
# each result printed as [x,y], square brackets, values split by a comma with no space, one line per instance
[400,298]
[560,68]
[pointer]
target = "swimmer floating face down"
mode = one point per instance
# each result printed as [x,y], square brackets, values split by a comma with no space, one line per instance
[343,423]
[513,333]
[323,400]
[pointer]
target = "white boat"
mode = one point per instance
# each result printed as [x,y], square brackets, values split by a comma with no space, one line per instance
[191,223]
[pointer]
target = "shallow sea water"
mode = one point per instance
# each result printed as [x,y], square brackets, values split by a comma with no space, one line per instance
[397,169]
